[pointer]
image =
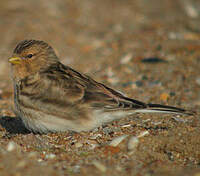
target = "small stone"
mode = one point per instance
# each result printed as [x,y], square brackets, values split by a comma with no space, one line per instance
[78,145]
[76,168]
[117,140]
[126,125]
[99,166]
[39,160]
[126,58]
[198,81]
[142,134]
[133,143]
[11,146]
[50,156]
[191,10]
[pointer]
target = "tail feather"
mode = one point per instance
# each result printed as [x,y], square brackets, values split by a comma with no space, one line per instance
[157,108]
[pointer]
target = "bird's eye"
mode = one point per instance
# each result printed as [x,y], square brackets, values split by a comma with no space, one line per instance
[29,55]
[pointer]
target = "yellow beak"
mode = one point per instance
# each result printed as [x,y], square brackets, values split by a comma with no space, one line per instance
[14,60]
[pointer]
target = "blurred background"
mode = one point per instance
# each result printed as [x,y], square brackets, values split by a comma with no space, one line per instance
[149,49]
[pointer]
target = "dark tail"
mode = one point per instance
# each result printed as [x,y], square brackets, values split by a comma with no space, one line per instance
[157,108]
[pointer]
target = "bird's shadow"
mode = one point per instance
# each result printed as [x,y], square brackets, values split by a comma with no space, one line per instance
[13,125]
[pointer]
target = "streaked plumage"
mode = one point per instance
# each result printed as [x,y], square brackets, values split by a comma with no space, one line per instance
[51,97]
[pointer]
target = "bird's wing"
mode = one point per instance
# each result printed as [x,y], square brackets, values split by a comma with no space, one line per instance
[77,88]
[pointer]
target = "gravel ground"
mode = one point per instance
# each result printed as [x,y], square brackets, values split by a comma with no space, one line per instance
[148,49]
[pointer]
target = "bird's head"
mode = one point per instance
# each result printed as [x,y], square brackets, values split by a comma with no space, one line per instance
[31,56]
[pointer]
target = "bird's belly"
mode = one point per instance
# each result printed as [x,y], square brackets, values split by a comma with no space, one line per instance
[38,121]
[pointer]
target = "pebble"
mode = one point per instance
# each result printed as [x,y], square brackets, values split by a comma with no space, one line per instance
[126,125]
[174,35]
[198,81]
[76,168]
[50,156]
[126,59]
[99,166]
[78,145]
[190,9]
[39,160]
[117,140]
[133,143]
[11,146]
[142,134]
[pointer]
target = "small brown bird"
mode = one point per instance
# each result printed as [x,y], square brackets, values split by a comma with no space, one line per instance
[52,97]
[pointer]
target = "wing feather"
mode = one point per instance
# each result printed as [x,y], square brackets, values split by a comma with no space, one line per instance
[79,88]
